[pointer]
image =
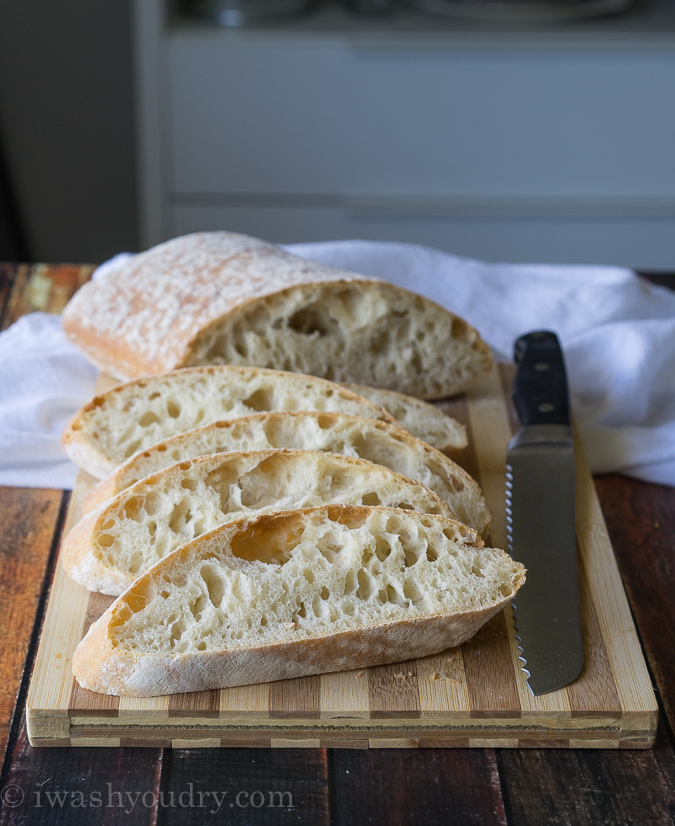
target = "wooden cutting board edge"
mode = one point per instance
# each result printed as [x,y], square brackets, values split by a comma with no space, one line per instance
[548,721]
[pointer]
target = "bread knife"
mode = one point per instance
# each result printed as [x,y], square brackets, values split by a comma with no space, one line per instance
[540,516]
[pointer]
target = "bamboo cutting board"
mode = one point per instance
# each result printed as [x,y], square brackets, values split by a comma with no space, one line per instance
[471,696]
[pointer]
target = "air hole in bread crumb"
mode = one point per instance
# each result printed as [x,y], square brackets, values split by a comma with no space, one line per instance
[173,408]
[371,499]
[262,400]
[329,545]
[432,555]
[324,593]
[177,630]
[451,534]
[197,606]
[312,320]
[365,581]
[133,508]
[180,516]
[413,592]
[268,544]
[152,502]
[215,587]
[137,598]
[148,418]
[406,506]
[308,574]
[476,571]
[326,420]
[409,557]
[105,540]
[272,432]
[382,548]
[396,598]
[189,484]
[505,590]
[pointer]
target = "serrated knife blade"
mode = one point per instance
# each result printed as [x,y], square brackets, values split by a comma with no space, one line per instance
[540,516]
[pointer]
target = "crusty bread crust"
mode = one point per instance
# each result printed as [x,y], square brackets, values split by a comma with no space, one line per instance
[102,663]
[227,298]
[84,566]
[100,667]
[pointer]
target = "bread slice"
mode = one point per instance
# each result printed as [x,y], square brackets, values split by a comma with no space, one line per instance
[225,298]
[378,442]
[132,416]
[424,420]
[114,544]
[289,594]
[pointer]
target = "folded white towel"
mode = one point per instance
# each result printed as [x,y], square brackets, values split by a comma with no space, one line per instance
[617,332]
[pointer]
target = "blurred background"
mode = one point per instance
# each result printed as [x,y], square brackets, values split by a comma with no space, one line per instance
[506,130]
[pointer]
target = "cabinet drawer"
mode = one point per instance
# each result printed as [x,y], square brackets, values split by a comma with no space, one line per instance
[316,115]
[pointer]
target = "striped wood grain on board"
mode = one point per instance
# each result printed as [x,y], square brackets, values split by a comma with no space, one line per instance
[472,696]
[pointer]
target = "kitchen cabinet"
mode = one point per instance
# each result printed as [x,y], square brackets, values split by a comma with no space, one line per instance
[496,141]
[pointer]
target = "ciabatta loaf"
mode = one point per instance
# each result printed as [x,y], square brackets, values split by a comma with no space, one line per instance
[378,442]
[303,592]
[132,416]
[225,298]
[114,544]
[424,420]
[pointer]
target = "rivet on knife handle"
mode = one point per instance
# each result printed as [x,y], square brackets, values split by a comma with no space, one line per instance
[540,385]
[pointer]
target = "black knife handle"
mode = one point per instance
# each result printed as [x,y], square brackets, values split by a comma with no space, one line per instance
[540,386]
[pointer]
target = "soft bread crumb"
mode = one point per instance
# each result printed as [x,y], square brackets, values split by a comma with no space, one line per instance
[328,588]
[123,538]
[133,416]
[226,298]
[379,442]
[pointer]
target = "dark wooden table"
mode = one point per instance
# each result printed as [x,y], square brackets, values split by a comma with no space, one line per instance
[417,786]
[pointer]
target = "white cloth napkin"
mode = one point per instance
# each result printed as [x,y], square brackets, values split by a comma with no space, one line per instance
[617,332]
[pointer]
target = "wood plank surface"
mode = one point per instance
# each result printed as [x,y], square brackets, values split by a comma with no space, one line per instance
[25,548]
[31,518]
[429,785]
[641,523]
[610,706]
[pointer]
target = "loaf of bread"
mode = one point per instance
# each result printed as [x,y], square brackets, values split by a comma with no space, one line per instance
[117,542]
[290,594]
[132,416]
[378,442]
[424,420]
[225,298]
